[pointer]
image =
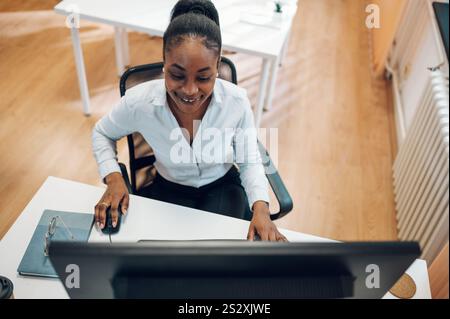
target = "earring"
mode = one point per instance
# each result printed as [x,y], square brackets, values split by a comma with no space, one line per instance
[162,70]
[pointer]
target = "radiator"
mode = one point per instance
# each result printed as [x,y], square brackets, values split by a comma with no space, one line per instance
[421,171]
[407,59]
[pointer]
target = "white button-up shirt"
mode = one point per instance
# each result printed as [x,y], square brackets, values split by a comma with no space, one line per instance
[226,135]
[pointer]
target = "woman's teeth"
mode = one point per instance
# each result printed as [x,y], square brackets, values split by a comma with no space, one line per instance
[189,100]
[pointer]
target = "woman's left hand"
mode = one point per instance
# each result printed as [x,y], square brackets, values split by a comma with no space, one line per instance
[262,225]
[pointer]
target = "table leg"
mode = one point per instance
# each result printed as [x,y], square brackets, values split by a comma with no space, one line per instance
[285,48]
[126,49]
[273,80]
[79,62]
[262,90]
[118,39]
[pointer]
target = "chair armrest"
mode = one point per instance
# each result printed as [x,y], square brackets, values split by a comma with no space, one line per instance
[278,187]
[123,170]
[282,195]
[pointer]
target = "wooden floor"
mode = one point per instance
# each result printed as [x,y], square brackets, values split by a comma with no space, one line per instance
[333,119]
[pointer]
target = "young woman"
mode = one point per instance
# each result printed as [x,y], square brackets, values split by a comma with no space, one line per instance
[185,118]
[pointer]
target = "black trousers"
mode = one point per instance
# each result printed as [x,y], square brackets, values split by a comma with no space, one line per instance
[224,196]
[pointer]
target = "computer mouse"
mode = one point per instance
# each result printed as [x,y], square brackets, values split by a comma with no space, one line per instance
[109,229]
[256,237]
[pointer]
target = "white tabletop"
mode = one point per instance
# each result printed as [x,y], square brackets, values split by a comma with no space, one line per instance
[147,219]
[247,26]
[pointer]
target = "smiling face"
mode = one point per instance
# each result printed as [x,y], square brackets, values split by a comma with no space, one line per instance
[190,71]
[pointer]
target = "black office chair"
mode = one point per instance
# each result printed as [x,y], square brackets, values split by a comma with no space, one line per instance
[141,154]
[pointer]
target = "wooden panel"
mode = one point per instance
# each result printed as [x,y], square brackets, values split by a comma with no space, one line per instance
[438,272]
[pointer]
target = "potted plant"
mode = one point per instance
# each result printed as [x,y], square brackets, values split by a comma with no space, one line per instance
[278,13]
[278,6]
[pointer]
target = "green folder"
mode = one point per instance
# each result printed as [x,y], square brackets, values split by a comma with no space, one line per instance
[34,262]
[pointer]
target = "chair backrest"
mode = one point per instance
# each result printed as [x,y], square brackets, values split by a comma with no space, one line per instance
[141,154]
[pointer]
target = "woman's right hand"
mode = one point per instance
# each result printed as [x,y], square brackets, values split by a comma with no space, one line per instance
[116,193]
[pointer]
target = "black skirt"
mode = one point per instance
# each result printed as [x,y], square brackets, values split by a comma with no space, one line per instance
[224,196]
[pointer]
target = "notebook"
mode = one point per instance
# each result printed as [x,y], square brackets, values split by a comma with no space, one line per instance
[34,262]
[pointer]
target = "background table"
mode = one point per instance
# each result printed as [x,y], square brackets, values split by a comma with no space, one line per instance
[246,25]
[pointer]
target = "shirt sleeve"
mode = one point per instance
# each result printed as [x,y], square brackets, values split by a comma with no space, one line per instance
[248,158]
[112,127]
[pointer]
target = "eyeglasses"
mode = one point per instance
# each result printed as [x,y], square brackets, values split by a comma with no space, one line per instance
[51,231]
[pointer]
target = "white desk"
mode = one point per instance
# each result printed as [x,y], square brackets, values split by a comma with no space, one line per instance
[242,24]
[147,219]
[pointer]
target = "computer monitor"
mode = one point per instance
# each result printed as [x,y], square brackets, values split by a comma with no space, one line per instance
[231,269]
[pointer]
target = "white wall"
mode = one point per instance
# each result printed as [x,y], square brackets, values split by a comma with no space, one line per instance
[411,87]
[424,50]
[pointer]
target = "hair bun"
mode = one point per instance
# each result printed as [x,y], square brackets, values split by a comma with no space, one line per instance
[198,9]
[201,7]
[194,18]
